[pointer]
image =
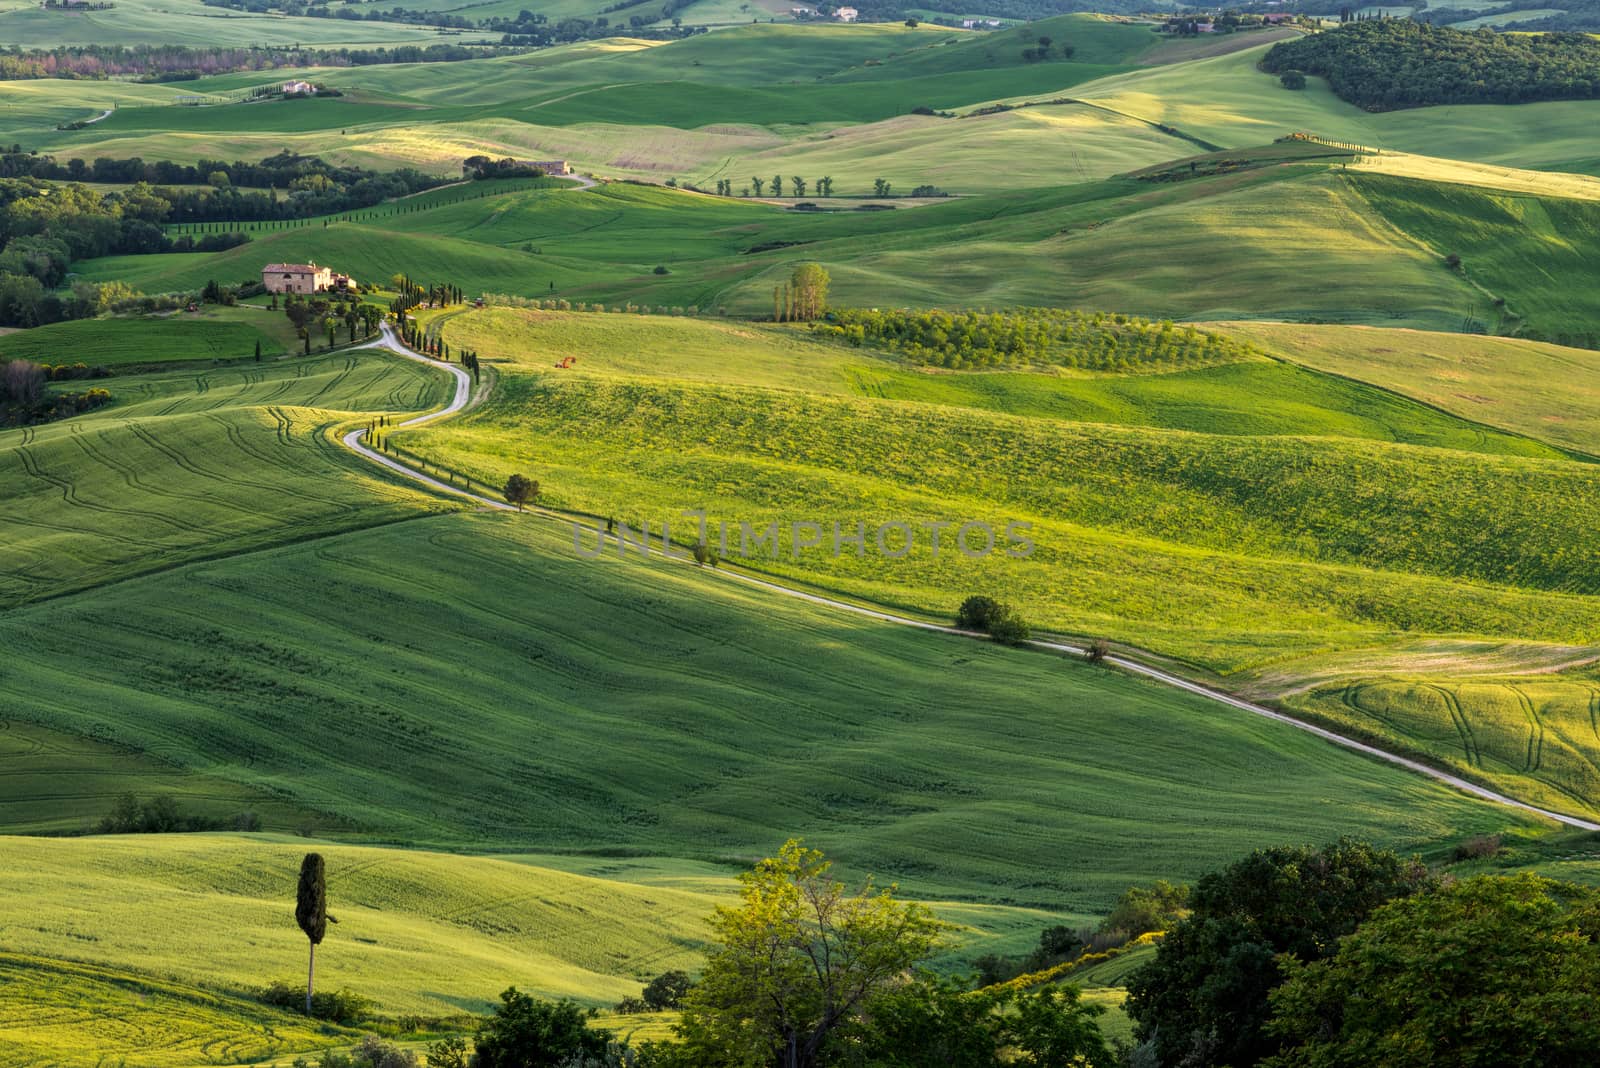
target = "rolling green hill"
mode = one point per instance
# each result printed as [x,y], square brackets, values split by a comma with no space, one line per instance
[217,334]
[184,466]
[460,670]
[1285,241]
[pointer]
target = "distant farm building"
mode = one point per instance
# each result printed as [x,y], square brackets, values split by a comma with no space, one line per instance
[291,88]
[1272,18]
[549,166]
[303,278]
[846,14]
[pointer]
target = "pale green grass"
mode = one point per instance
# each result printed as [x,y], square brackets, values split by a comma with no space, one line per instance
[1527,387]
[1267,250]
[1535,735]
[1255,397]
[418,932]
[1227,101]
[1235,589]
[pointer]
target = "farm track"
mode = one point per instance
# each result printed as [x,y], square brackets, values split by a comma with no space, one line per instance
[463,392]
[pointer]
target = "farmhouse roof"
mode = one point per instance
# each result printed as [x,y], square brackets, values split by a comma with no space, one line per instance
[292,268]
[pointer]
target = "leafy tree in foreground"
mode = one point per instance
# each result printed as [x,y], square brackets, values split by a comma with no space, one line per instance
[525,1032]
[311,913]
[1203,1000]
[797,962]
[931,1021]
[1489,971]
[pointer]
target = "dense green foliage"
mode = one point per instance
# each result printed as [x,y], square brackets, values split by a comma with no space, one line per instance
[527,1032]
[1488,971]
[1399,63]
[1032,336]
[1203,1001]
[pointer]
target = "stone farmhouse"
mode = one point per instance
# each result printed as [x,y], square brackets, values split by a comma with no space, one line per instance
[303,278]
[549,166]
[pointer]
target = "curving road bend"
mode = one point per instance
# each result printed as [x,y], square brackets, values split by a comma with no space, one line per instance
[353,439]
[463,393]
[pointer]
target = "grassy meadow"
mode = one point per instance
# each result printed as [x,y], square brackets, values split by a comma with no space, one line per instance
[1119,244]
[189,22]
[185,465]
[216,334]
[1253,531]
[460,668]
[530,765]
[1526,387]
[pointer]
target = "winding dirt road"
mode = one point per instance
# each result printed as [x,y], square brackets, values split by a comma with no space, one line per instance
[463,394]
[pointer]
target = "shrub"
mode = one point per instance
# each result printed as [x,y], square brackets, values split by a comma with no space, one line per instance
[1292,79]
[526,1032]
[1478,847]
[1098,650]
[661,270]
[666,991]
[1010,629]
[337,1006]
[977,612]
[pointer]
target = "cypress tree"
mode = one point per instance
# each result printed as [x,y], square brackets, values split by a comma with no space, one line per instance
[311,912]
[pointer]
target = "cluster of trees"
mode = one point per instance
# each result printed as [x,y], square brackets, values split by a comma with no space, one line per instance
[1354,957]
[316,315]
[24,399]
[536,30]
[1000,621]
[164,63]
[803,297]
[484,168]
[411,293]
[315,187]
[1028,336]
[1387,64]
[163,815]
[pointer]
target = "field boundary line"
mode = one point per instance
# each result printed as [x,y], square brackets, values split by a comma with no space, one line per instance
[353,440]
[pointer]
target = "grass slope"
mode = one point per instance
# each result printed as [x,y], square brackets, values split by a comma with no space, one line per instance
[1087,245]
[1526,387]
[62,1013]
[1225,548]
[472,664]
[124,342]
[187,465]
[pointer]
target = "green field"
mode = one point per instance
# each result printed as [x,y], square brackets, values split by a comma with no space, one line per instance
[526,764]
[189,22]
[56,1012]
[1096,241]
[1267,542]
[185,465]
[216,334]
[1525,387]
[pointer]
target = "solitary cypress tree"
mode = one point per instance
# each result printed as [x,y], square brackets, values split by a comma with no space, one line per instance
[258,350]
[311,912]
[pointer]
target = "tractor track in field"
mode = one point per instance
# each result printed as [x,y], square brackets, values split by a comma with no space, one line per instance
[353,440]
